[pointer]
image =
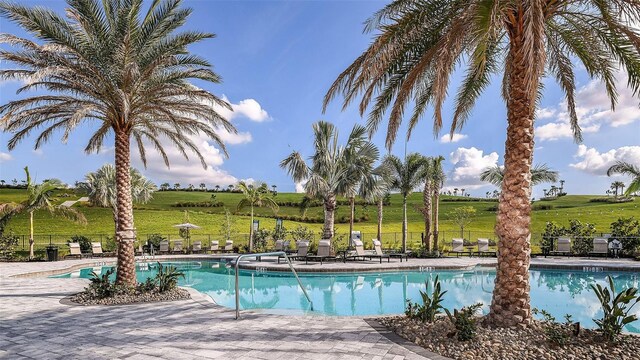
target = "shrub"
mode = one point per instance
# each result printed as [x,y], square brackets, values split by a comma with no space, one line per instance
[557,334]
[582,234]
[110,243]
[627,230]
[464,321]
[260,238]
[208,204]
[147,286]
[100,286]
[302,233]
[615,308]
[431,304]
[537,207]
[85,242]
[8,244]
[167,277]
[156,239]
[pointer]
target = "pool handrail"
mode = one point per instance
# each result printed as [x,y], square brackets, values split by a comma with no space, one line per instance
[274,253]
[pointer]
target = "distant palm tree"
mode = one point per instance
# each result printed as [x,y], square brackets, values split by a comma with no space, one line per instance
[335,170]
[230,187]
[101,188]
[217,188]
[203,187]
[39,197]
[405,177]
[615,186]
[540,173]
[373,188]
[164,186]
[437,179]
[427,200]
[124,70]
[176,186]
[624,168]
[255,196]
[420,44]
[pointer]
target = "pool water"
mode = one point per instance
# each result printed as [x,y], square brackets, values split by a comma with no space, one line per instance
[559,292]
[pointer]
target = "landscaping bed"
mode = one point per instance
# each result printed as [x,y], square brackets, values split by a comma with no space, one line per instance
[85,298]
[522,343]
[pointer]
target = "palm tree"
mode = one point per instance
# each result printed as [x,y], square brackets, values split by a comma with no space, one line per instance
[455,192]
[39,197]
[125,70]
[101,188]
[615,186]
[624,168]
[217,188]
[164,186]
[404,177]
[334,170]
[540,173]
[230,187]
[373,188]
[255,196]
[427,197]
[437,179]
[176,186]
[203,187]
[561,185]
[419,44]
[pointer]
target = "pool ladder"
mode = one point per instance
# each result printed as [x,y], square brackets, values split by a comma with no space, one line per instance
[257,255]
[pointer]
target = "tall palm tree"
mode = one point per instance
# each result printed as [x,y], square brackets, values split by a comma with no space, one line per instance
[334,169]
[255,196]
[373,188]
[38,198]
[405,177]
[437,179]
[427,198]
[540,173]
[420,43]
[101,188]
[625,168]
[122,69]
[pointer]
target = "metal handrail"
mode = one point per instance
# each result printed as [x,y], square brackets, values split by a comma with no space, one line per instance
[279,253]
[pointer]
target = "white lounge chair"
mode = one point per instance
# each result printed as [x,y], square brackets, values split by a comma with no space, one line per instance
[177,247]
[457,246]
[303,250]
[164,247]
[377,246]
[228,246]
[324,252]
[483,247]
[196,247]
[74,250]
[563,246]
[215,246]
[600,246]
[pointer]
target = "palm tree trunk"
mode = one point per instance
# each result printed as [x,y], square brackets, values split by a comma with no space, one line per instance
[329,211]
[404,224]
[426,212]
[380,207]
[125,232]
[31,241]
[352,206]
[511,303]
[251,231]
[436,214]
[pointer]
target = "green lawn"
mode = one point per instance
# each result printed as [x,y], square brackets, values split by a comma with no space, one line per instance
[159,215]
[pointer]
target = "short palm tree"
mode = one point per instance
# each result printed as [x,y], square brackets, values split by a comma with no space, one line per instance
[405,176]
[625,168]
[101,188]
[39,198]
[255,196]
[540,173]
[127,71]
[418,46]
[437,179]
[334,170]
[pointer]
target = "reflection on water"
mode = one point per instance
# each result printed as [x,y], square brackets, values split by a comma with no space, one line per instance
[557,291]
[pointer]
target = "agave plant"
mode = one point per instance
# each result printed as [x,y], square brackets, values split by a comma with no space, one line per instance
[431,303]
[615,308]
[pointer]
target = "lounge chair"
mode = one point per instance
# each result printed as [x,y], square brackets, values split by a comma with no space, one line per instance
[279,245]
[96,250]
[303,249]
[164,247]
[74,251]
[177,247]
[377,246]
[196,247]
[228,246]
[563,246]
[324,252]
[360,253]
[457,247]
[215,246]
[600,246]
[483,248]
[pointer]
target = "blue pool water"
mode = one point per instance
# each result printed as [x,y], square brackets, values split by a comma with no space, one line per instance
[559,292]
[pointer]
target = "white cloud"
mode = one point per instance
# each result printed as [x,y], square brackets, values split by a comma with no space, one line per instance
[300,186]
[452,139]
[234,139]
[468,163]
[593,109]
[248,108]
[5,157]
[38,152]
[592,161]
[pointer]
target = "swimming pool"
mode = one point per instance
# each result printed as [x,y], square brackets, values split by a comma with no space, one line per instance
[559,292]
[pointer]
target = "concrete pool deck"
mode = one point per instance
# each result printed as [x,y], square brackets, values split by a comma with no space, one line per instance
[35,324]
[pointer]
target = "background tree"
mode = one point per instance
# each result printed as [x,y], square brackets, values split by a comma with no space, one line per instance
[125,70]
[217,188]
[374,188]
[404,177]
[625,168]
[427,200]
[615,186]
[418,46]
[100,186]
[165,186]
[333,169]
[540,174]
[463,216]
[203,187]
[227,227]
[437,178]
[255,196]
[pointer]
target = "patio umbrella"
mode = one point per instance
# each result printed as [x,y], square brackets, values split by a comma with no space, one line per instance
[188,227]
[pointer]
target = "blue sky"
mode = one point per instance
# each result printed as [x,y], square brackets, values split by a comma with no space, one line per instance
[277,60]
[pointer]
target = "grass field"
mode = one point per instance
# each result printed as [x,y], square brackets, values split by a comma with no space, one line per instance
[159,215]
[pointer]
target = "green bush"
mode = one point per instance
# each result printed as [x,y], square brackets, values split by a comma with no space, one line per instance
[628,231]
[147,286]
[615,308]
[260,239]
[582,234]
[206,204]
[464,321]
[8,244]
[167,277]
[537,207]
[557,334]
[85,242]
[431,304]
[156,239]
[100,286]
